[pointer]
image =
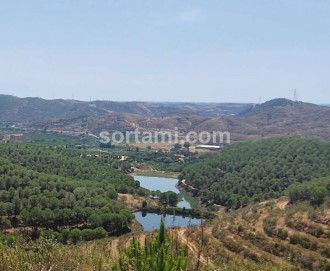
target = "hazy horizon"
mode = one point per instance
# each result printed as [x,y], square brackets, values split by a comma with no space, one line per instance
[173,51]
[164,101]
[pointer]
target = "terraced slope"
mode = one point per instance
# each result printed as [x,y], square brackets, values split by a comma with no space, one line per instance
[289,236]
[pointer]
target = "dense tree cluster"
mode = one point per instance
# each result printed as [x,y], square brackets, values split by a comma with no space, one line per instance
[55,188]
[257,170]
[314,191]
[69,163]
[169,198]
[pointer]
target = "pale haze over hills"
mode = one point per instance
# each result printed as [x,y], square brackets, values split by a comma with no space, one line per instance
[194,51]
[244,121]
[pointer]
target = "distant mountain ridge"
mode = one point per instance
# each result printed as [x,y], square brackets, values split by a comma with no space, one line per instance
[14,109]
[245,122]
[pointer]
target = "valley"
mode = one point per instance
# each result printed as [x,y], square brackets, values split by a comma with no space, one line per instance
[258,204]
[164,135]
[279,220]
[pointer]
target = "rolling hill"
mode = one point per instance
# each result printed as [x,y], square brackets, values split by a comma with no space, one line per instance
[256,171]
[14,109]
[244,121]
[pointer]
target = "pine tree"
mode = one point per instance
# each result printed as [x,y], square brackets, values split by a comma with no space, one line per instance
[159,254]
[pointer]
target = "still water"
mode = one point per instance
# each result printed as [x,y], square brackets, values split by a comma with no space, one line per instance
[164,185]
[151,221]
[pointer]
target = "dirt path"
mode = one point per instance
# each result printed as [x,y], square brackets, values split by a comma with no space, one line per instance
[114,249]
[260,223]
[184,238]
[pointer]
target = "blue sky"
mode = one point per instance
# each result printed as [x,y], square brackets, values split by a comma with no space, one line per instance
[152,50]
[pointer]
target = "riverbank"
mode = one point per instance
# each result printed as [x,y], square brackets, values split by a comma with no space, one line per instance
[154,173]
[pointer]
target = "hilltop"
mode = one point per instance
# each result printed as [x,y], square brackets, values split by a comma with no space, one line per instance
[275,118]
[269,105]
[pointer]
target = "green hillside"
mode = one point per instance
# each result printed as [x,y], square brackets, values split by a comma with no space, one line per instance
[59,189]
[257,171]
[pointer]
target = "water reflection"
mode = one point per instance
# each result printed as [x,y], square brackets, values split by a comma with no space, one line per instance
[151,222]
